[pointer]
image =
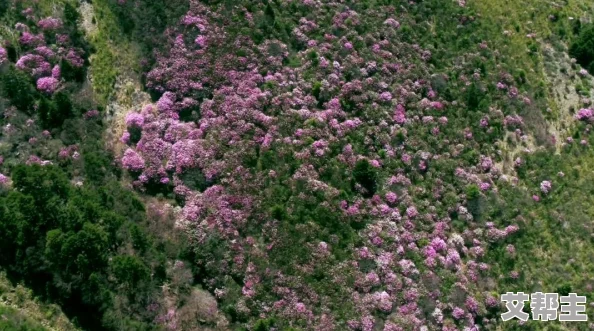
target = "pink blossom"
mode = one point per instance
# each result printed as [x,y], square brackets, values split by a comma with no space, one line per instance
[484,186]
[201,41]
[392,22]
[406,158]
[34,65]
[513,121]
[56,72]
[125,137]
[372,278]
[385,96]
[367,323]
[49,23]
[399,115]
[47,84]
[300,307]
[74,58]
[384,302]
[511,229]
[491,301]
[436,105]
[484,122]
[545,186]
[28,39]
[3,179]
[471,304]
[438,244]
[458,313]
[375,163]
[91,114]
[132,160]
[584,114]
[412,212]
[391,197]
[3,55]
[45,51]
[134,120]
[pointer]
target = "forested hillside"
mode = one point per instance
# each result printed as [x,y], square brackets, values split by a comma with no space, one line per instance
[293,164]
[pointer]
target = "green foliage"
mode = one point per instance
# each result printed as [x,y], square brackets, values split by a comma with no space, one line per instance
[474,97]
[564,289]
[582,48]
[472,192]
[13,320]
[264,324]
[279,212]
[18,88]
[365,175]
[315,90]
[3,7]
[72,73]
[77,253]
[52,112]
[96,165]
[195,179]
[314,58]
[129,270]
[67,241]
[71,15]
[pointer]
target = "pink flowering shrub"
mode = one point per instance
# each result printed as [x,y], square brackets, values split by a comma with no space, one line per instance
[325,175]
[49,23]
[329,169]
[43,56]
[3,55]
[33,64]
[132,161]
[47,84]
[584,114]
[545,186]
[3,180]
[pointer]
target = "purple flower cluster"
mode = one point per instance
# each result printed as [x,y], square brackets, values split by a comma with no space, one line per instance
[3,55]
[41,60]
[47,84]
[49,23]
[584,114]
[545,186]
[342,100]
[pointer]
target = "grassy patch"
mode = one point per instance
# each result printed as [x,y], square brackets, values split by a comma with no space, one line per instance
[13,320]
[115,54]
[20,311]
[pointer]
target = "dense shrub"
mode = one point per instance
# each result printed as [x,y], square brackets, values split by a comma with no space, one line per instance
[335,165]
[70,242]
[582,48]
[365,175]
[18,88]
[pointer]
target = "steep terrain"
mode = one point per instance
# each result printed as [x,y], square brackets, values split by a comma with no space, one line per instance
[295,165]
